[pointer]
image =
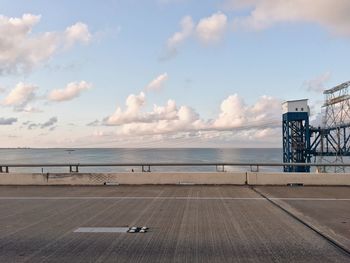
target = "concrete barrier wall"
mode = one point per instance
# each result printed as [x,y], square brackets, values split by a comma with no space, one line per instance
[299,178]
[234,178]
[22,179]
[123,178]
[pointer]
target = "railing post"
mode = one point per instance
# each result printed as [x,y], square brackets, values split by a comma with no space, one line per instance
[2,169]
[256,170]
[76,170]
[144,170]
[220,167]
[220,170]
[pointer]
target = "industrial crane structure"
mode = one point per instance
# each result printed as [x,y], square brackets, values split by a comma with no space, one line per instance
[327,143]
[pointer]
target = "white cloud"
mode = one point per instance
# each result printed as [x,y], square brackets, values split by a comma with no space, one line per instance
[318,84]
[185,119]
[233,112]
[212,29]
[235,115]
[168,125]
[21,50]
[265,108]
[130,114]
[78,32]
[331,14]
[133,112]
[71,91]
[20,96]
[23,94]
[158,83]
[167,112]
[208,30]
[161,119]
[187,26]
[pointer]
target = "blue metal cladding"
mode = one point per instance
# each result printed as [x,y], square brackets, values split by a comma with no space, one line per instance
[296,140]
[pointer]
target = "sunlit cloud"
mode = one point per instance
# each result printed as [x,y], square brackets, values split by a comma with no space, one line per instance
[208,30]
[158,83]
[20,96]
[21,50]
[71,91]
[212,29]
[176,40]
[234,114]
[330,14]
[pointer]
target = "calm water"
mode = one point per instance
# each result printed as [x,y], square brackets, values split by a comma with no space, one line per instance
[138,156]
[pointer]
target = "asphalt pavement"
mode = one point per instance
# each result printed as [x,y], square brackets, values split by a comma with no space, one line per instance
[186,224]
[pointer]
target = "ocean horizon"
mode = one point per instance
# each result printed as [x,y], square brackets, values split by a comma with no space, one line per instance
[138,155]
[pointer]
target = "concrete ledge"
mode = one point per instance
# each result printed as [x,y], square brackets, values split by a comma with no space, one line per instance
[123,178]
[228,178]
[298,178]
[23,179]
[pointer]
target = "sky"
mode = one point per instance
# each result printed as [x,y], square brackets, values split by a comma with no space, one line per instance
[164,73]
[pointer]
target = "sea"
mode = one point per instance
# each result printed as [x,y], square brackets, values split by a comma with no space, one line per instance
[139,155]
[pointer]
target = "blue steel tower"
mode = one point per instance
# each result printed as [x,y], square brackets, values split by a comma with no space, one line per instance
[296,135]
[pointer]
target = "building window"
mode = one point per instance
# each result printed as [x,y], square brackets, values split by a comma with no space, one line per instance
[302,109]
[296,109]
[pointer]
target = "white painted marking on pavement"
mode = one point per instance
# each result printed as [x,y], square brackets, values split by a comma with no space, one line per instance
[101,230]
[309,199]
[162,198]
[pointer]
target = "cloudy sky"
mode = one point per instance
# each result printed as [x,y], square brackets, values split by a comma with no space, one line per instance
[164,73]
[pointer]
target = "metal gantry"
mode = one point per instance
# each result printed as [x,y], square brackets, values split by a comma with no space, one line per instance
[331,142]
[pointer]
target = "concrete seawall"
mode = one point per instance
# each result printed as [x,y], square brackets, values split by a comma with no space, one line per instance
[298,178]
[122,178]
[220,178]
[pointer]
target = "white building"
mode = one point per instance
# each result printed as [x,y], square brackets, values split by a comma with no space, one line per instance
[295,106]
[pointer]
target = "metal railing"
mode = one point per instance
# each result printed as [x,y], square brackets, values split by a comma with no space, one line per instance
[146,167]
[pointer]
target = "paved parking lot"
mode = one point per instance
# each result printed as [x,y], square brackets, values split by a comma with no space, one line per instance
[186,223]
